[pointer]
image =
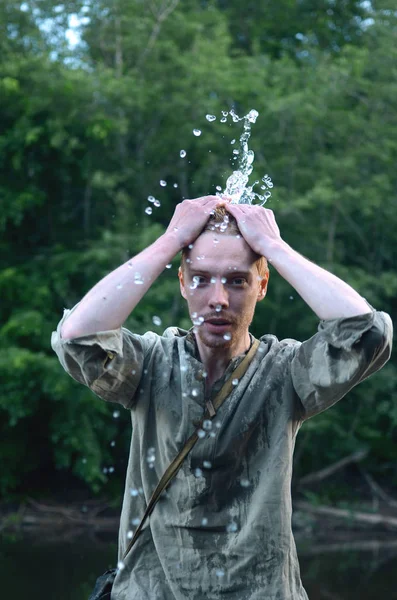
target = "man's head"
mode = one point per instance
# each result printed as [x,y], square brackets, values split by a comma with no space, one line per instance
[222,279]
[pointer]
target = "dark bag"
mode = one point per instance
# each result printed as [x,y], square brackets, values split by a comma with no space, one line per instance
[103,586]
[104,583]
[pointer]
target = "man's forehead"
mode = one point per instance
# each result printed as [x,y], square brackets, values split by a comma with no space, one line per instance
[223,250]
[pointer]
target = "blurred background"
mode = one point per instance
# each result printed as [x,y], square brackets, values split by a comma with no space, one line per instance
[97,99]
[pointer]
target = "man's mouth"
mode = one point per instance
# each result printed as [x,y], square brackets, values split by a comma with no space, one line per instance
[218,321]
[217,325]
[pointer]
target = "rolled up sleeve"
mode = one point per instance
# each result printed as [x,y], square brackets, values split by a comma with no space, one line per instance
[343,353]
[110,363]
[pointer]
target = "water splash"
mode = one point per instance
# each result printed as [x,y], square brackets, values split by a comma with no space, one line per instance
[237,184]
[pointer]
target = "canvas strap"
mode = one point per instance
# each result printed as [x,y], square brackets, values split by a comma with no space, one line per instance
[210,412]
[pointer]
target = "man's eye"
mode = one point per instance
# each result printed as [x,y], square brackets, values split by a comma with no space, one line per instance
[239,281]
[197,281]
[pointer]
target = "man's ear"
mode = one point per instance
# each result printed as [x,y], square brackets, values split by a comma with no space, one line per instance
[263,287]
[182,283]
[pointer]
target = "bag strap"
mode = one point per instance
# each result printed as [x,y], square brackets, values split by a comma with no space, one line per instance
[211,408]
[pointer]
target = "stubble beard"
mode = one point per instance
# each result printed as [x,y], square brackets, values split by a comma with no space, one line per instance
[214,340]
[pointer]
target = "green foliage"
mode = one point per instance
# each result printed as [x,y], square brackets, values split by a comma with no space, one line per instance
[86,135]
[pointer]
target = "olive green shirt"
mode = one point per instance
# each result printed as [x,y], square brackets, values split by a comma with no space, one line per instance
[222,529]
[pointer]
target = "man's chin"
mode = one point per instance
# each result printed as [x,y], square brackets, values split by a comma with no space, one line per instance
[213,340]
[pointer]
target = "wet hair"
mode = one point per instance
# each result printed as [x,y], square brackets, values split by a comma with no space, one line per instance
[222,222]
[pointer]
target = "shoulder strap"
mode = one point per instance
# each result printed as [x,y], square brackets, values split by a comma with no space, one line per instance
[209,414]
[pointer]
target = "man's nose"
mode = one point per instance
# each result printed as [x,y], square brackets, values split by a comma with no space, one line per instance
[219,296]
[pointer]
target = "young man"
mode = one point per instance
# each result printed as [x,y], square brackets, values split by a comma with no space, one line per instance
[223,526]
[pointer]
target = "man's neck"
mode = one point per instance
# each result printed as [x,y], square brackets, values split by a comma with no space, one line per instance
[215,360]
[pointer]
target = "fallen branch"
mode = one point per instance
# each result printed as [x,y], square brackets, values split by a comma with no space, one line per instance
[352,515]
[357,546]
[375,487]
[324,473]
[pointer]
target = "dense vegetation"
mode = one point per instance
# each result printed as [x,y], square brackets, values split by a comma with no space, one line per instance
[87,133]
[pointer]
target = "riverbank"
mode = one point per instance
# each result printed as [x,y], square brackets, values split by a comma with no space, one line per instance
[97,517]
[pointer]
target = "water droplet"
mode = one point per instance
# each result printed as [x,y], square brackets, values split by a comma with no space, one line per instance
[194,315]
[235,151]
[225,113]
[223,120]
[175,185]
[104,470]
[190,246]
[213,280]
[195,392]
[138,280]
[111,469]
[233,141]
[252,116]
[207,464]
[163,183]
[207,424]
[197,132]
[157,203]
[113,443]
[168,266]
[218,424]
[245,483]
[133,492]
[210,118]
[227,336]
[212,434]
[151,198]
[148,210]
[182,153]
[204,521]
[216,241]
[130,265]
[223,280]
[84,461]
[120,565]
[218,308]
[220,573]
[234,381]
[218,188]
[116,414]
[198,472]
[198,321]
[130,535]
[156,320]
[201,434]
[291,297]
[195,281]
[119,286]
[231,527]
[135,521]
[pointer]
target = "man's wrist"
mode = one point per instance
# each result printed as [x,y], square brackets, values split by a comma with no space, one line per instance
[274,250]
[172,242]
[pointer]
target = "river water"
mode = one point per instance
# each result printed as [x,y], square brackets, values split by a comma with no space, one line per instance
[32,568]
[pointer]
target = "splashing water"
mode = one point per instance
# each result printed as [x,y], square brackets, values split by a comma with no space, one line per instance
[237,184]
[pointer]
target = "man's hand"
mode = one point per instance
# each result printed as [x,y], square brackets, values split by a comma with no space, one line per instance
[191,216]
[257,225]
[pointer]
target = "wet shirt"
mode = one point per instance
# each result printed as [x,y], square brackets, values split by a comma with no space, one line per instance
[222,528]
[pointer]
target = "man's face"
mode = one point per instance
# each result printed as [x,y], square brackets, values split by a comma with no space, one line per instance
[221,284]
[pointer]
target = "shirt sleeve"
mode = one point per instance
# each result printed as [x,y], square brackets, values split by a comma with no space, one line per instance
[110,363]
[343,353]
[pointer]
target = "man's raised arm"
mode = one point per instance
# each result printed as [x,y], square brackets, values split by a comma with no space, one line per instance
[327,295]
[108,304]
